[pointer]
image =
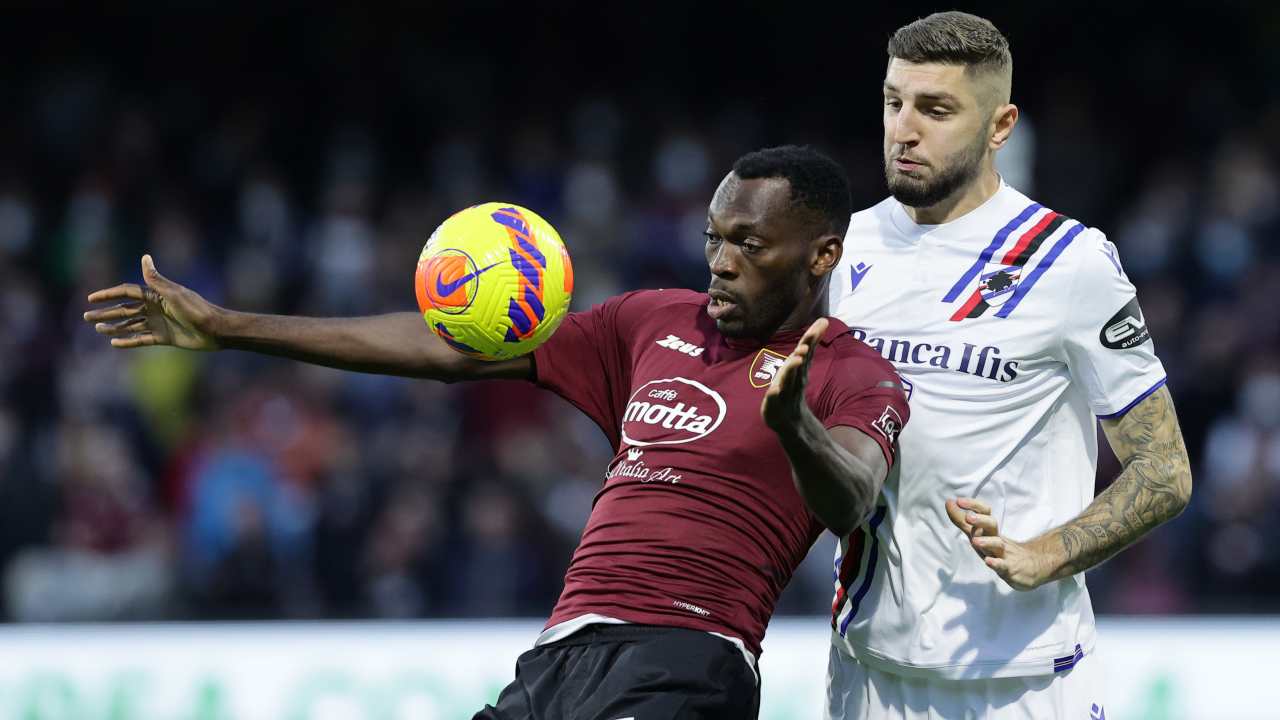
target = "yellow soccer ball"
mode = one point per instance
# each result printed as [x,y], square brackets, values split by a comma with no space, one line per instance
[494,281]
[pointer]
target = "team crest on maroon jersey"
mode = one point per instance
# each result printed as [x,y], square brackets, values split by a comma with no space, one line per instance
[764,367]
[671,411]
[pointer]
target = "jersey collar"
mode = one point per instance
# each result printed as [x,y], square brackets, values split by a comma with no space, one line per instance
[903,222]
[835,328]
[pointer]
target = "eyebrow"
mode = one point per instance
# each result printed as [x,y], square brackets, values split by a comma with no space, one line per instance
[742,227]
[938,96]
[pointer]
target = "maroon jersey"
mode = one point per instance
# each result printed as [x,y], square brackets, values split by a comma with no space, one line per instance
[699,524]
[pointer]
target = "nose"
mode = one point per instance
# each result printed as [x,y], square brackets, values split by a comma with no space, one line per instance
[902,128]
[722,261]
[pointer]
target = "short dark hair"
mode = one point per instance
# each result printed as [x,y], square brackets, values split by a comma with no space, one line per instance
[817,182]
[952,38]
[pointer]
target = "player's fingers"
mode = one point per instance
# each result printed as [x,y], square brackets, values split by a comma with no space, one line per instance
[121,328]
[956,514]
[999,564]
[815,331]
[988,546]
[115,312]
[807,357]
[785,380]
[975,505]
[985,523]
[151,275]
[790,366]
[781,381]
[126,291]
[133,341]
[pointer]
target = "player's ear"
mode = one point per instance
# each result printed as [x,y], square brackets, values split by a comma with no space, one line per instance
[827,251]
[1002,121]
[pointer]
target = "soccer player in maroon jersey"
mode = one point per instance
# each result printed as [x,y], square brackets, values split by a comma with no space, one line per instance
[743,420]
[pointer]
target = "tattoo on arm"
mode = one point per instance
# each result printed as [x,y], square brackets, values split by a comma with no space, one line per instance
[1153,488]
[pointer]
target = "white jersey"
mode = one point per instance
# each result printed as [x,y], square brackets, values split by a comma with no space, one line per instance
[1012,328]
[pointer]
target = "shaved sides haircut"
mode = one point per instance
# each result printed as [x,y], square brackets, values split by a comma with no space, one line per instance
[958,38]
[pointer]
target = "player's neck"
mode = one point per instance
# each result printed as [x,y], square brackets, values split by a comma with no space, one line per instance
[959,203]
[807,313]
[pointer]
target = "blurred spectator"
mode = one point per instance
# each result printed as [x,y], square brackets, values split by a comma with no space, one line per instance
[109,560]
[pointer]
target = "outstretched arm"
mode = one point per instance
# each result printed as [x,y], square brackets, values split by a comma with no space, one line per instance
[1153,488]
[165,313]
[839,472]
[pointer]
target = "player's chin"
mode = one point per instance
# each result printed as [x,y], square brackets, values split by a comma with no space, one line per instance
[909,181]
[910,191]
[732,326]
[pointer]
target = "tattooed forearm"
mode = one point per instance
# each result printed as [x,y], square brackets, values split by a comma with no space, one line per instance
[1154,487]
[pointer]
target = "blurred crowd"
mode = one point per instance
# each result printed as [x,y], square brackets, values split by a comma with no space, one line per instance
[165,484]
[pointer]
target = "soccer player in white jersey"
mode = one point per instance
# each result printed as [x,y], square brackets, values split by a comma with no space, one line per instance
[1013,327]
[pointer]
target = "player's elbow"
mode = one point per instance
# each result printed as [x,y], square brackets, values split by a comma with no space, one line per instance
[842,525]
[447,372]
[1174,482]
[1182,485]
[1177,473]
[847,515]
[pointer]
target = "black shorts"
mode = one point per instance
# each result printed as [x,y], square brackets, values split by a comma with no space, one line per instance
[615,672]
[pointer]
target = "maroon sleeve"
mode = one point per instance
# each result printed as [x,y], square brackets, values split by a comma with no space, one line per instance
[587,362]
[866,395]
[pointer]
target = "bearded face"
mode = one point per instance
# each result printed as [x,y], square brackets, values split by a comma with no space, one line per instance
[930,183]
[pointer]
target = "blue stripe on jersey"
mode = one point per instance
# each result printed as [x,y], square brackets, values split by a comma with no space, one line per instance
[1025,286]
[1140,398]
[985,257]
[856,600]
[1067,662]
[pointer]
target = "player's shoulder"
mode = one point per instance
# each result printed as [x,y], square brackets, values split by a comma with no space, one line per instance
[648,300]
[1077,253]
[854,359]
[635,311]
[1084,260]
[1069,235]
[644,301]
[872,219]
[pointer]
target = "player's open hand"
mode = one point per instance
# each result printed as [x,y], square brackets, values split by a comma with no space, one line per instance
[1016,563]
[784,400]
[160,313]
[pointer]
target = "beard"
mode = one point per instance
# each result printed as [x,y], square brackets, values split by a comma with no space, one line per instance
[759,321]
[958,170]
[759,317]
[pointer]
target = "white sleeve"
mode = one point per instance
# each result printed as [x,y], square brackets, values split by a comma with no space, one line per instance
[1108,348]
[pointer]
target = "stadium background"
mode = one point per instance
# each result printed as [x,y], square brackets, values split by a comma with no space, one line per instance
[293,159]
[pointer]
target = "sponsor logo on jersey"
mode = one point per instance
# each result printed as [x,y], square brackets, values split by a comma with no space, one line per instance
[691,608]
[764,367]
[1126,329]
[889,423]
[980,361]
[671,411]
[635,468]
[671,342]
[858,271]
